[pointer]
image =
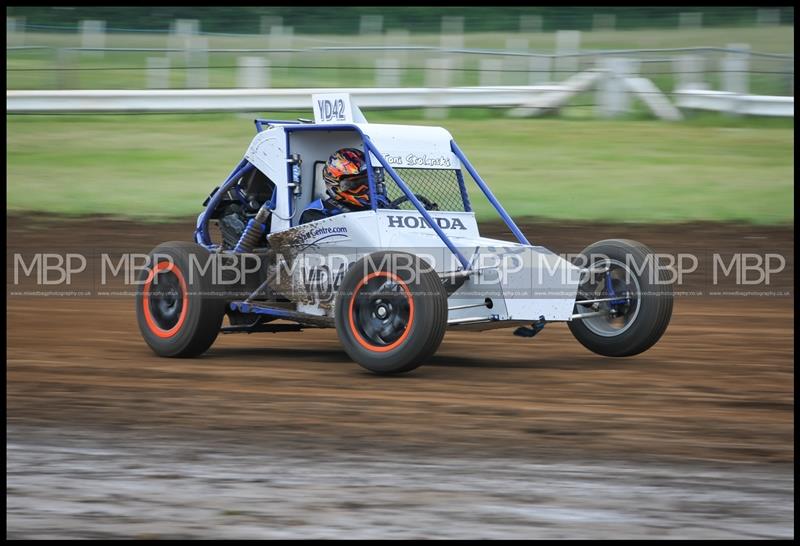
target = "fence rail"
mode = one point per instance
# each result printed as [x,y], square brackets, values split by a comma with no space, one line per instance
[531,99]
[734,103]
[250,100]
[429,49]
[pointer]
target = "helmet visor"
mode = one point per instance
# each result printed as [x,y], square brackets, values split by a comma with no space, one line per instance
[349,183]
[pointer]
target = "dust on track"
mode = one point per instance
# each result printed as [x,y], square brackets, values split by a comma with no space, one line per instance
[719,385]
[717,389]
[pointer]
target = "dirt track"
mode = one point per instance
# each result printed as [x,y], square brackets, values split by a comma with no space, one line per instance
[716,390]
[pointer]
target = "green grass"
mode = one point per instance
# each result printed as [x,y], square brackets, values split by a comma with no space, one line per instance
[159,166]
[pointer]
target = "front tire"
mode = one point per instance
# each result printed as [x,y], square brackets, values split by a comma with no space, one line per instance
[640,307]
[179,314]
[391,312]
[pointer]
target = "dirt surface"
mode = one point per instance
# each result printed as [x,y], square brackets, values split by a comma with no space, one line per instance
[714,395]
[73,482]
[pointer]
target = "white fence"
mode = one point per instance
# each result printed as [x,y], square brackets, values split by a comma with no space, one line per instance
[734,103]
[531,82]
[529,100]
[250,100]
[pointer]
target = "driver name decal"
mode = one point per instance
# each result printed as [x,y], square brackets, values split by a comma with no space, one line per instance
[414,160]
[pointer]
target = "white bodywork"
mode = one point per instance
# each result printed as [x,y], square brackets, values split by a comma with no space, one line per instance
[519,282]
[403,146]
[524,283]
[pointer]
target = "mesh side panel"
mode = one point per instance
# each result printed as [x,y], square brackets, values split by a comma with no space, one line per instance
[437,185]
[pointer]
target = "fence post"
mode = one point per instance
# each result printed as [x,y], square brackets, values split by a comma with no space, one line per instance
[437,75]
[67,79]
[452,37]
[613,98]
[370,24]
[181,36]
[539,70]
[568,43]
[252,73]
[490,72]
[93,34]
[387,72]
[268,21]
[395,60]
[530,24]
[734,66]
[603,21]
[370,29]
[515,64]
[280,37]
[768,17]
[197,75]
[15,31]
[158,73]
[398,38]
[690,19]
[689,72]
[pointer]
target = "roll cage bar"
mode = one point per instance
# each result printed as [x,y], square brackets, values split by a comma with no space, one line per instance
[201,232]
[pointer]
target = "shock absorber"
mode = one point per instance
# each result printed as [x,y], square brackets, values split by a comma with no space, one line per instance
[257,226]
[254,231]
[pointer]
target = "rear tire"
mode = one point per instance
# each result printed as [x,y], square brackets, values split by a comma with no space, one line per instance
[179,314]
[391,312]
[640,321]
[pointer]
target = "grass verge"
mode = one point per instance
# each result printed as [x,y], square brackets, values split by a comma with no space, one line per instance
[163,166]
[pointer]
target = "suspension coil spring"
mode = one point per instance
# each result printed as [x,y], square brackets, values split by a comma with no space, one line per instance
[254,231]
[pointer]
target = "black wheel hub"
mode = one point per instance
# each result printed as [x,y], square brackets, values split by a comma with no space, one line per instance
[165,300]
[381,311]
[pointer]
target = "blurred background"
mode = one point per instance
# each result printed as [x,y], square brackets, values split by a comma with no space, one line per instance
[641,101]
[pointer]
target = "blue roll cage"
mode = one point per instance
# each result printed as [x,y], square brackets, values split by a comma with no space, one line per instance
[201,232]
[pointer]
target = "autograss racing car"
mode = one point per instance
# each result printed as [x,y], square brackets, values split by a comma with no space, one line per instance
[391,275]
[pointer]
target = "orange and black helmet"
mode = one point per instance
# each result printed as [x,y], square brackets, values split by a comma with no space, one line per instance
[345,176]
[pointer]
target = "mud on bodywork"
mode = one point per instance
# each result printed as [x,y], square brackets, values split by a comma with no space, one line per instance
[298,270]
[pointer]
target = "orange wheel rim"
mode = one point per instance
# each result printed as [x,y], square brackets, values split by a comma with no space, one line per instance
[360,339]
[152,324]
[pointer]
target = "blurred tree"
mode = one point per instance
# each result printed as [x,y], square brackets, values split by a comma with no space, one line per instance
[345,20]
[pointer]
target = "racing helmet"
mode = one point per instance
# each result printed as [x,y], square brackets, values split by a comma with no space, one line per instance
[345,175]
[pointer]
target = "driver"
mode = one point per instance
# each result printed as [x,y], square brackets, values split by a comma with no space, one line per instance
[347,186]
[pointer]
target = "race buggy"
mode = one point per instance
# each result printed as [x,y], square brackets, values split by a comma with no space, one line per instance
[391,277]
